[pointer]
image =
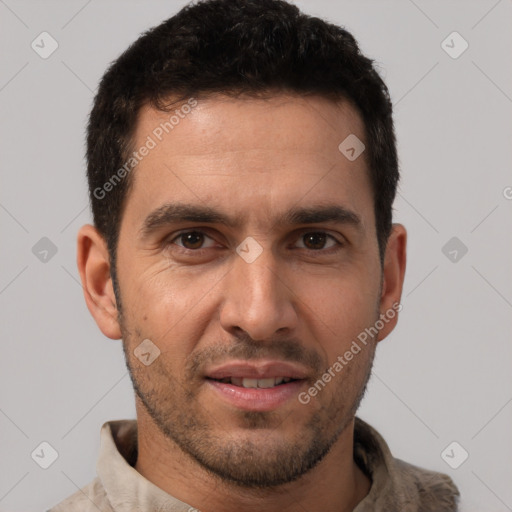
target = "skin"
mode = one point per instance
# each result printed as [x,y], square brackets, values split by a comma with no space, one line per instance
[302,301]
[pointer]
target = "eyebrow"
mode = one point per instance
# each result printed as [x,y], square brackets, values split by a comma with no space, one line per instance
[175,213]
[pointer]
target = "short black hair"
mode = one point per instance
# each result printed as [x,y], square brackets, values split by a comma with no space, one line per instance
[234,47]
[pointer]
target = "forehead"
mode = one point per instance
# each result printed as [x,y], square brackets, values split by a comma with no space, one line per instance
[219,124]
[268,154]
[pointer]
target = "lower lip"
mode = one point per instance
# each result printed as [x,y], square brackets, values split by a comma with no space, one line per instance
[256,399]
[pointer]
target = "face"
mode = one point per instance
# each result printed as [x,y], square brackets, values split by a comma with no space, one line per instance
[248,255]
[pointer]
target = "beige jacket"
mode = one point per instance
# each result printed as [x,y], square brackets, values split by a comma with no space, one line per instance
[396,485]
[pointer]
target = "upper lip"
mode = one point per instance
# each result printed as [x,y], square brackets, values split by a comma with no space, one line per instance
[257,370]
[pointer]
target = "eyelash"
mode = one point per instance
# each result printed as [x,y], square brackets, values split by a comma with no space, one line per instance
[201,250]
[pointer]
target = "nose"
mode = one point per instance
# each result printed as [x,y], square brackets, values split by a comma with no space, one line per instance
[257,300]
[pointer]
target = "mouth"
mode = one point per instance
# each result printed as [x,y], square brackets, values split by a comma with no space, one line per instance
[259,386]
[247,382]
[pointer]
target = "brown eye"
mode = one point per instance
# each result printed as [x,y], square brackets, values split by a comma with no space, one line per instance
[317,240]
[314,240]
[191,239]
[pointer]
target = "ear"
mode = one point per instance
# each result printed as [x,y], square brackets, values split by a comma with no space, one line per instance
[392,279]
[94,266]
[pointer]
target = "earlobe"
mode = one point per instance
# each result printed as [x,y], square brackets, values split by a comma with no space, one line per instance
[94,267]
[393,279]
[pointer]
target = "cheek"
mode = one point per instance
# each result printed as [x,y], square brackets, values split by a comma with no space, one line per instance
[343,305]
[169,309]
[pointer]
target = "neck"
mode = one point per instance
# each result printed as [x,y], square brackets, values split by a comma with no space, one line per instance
[336,484]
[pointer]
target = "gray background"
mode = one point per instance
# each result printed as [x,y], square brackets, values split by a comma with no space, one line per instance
[442,376]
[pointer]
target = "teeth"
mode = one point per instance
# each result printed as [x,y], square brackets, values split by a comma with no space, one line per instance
[250,383]
[260,383]
[256,383]
[266,383]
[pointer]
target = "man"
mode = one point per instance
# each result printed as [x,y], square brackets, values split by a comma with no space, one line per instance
[242,169]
